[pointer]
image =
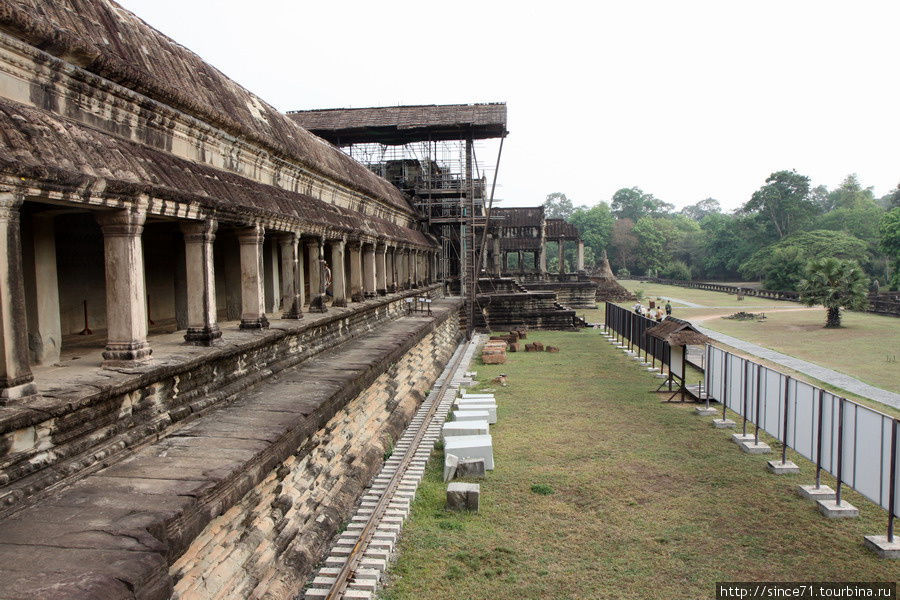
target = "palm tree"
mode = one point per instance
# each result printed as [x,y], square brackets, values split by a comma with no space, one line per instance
[834,284]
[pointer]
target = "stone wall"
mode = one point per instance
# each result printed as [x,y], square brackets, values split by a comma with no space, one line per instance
[536,310]
[573,294]
[266,545]
[69,431]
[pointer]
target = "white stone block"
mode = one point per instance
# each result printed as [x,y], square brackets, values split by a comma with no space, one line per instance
[490,408]
[467,395]
[452,428]
[471,415]
[472,446]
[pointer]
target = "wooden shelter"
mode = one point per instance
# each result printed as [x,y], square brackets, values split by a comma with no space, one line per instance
[677,333]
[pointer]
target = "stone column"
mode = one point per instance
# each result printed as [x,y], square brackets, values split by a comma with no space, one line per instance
[381,269]
[542,260]
[42,292]
[562,256]
[504,262]
[200,282]
[253,296]
[498,267]
[338,286]
[579,263]
[312,267]
[126,296]
[291,276]
[416,274]
[16,380]
[369,268]
[356,278]
[521,263]
[392,270]
[410,270]
[272,279]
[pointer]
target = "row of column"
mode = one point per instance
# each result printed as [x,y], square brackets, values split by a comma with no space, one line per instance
[501,258]
[375,268]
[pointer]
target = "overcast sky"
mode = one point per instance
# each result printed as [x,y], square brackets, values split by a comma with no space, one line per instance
[685,100]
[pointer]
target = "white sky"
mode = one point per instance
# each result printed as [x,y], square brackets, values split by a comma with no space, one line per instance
[685,99]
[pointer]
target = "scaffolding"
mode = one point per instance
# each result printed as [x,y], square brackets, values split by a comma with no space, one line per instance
[429,152]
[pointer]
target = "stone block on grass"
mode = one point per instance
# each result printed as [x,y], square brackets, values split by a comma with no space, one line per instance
[452,428]
[782,468]
[472,446]
[472,415]
[463,496]
[723,423]
[880,545]
[833,510]
[812,492]
[470,467]
[704,411]
[552,349]
[451,462]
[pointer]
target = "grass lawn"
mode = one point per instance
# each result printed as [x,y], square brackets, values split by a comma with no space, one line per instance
[648,500]
[702,297]
[866,347]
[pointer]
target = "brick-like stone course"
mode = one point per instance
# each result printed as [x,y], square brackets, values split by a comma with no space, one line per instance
[267,544]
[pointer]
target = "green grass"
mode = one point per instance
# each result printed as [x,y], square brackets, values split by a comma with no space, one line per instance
[866,347]
[649,500]
[704,297]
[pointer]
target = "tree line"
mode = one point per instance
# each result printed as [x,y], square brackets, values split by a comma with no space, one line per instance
[772,237]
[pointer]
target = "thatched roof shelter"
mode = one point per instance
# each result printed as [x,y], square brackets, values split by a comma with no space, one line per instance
[677,333]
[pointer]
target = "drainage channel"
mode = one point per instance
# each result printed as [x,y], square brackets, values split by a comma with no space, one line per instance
[358,559]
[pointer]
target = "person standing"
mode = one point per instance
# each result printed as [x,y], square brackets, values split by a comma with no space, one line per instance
[668,309]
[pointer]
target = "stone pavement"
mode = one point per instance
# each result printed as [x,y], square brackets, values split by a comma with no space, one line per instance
[829,376]
[114,533]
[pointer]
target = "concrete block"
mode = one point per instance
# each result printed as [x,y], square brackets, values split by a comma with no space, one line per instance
[738,438]
[471,374]
[779,468]
[463,496]
[451,461]
[660,375]
[467,395]
[882,547]
[723,423]
[491,410]
[461,402]
[470,467]
[830,509]
[472,446]
[811,492]
[451,428]
[751,447]
[472,415]
[705,412]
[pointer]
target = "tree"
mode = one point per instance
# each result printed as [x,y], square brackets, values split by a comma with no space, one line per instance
[595,225]
[850,194]
[781,264]
[835,284]
[784,201]
[728,241]
[558,206]
[633,203]
[892,199]
[889,242]
[624,243]
[704,208]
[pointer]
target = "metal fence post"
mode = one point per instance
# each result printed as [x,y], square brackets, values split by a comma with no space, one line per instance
[759,369]
[787,383]
[746,364]
[893,492]
[840,465]
[724,398]
[819,441]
